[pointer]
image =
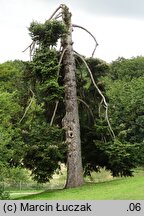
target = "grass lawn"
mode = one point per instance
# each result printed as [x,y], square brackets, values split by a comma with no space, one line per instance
[19,193]
[131,188]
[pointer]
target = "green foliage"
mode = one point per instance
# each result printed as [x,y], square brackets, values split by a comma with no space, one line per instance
[125,97]
[125,90]
[127,69]
[44,150]
[48,33]
[10,75]
[40,147]
[44,147]
[4,195]
[99,150]
[17,175]
[94,128]
[98,67]
[131,104]
[45,68]
[9,115]
[122,157]
[45,64]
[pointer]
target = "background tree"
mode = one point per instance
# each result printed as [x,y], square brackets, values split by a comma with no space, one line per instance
[10,110]
[124,87]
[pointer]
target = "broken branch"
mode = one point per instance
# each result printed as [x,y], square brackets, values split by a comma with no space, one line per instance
[31,47]
[54,113]
[28,107]
[60,60]
[55,12]
[58,16]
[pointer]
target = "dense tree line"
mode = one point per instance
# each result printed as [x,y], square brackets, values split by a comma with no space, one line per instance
[33,143]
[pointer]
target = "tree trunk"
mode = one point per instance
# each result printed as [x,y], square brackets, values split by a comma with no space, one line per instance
[71,119]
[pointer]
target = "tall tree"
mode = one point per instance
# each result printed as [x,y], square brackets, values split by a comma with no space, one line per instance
[46,36]
[54,70]
[71,119]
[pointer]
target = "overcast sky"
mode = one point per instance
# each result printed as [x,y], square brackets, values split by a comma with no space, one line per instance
[118,26]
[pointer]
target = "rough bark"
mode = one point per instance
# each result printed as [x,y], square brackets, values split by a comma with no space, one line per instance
[71,119]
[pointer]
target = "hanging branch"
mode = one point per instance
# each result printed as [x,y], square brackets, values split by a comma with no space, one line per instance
[28,107]
[99,91]
[60,60]
[100,108]
[92,78]
[96,43]
[86,106]
[57,102]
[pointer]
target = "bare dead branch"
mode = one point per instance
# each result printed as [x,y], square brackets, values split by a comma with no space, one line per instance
[54,113]
[99,91]
[28,47]
[96,43]
[58,16]
[31,47]
[79,99]
[55,12]
[92,78]
[100,107]
[60,60]
[107,118]
[57,102]
[28,107]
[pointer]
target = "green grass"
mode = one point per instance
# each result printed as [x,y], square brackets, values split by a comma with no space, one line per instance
[14,194]
[103,188]
[120,189]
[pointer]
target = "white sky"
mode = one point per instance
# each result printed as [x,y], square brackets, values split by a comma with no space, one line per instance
[118,26]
